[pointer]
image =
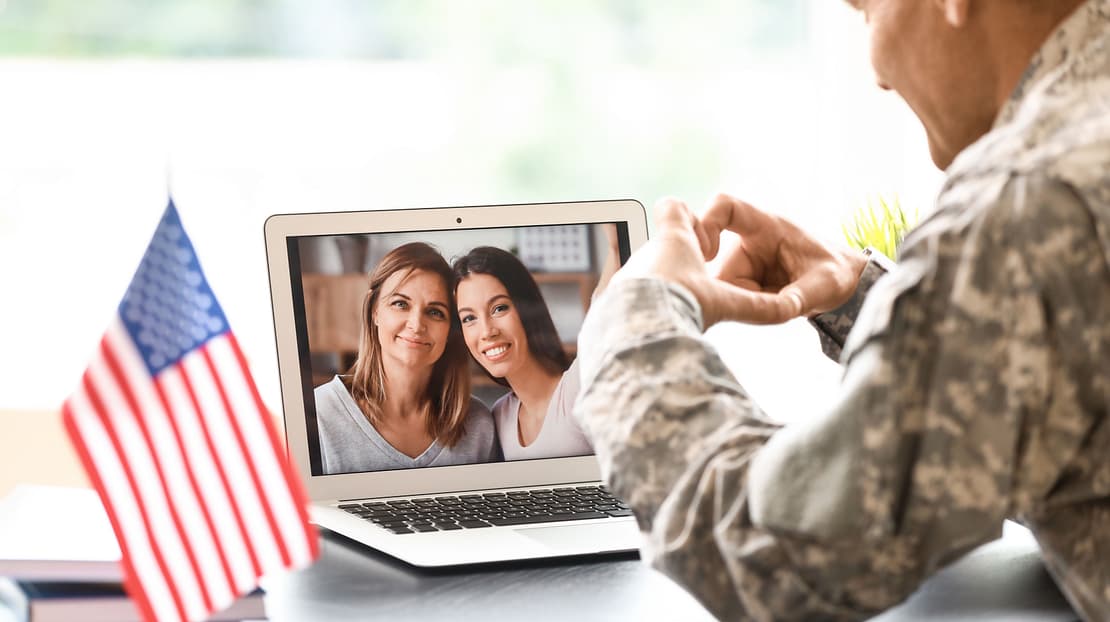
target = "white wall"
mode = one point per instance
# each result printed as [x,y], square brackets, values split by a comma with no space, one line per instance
[87,150]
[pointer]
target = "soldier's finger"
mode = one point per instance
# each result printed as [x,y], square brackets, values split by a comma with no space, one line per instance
[754,307]
[726,213]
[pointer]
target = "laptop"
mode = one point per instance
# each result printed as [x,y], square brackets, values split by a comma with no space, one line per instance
[468,476]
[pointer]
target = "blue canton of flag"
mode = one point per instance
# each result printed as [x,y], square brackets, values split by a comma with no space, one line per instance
[169,309]
[174,436]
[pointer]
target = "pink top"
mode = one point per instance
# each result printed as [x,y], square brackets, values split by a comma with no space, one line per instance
[560,435]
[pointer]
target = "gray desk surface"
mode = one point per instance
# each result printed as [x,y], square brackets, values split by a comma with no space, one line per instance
[1004,580]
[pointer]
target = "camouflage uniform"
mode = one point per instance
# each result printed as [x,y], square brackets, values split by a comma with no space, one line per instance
[976,388]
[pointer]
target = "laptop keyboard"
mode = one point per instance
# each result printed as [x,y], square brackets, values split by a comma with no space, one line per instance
[491,509]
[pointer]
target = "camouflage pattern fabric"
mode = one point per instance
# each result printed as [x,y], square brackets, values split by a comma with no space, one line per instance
[833,326]
[976,388]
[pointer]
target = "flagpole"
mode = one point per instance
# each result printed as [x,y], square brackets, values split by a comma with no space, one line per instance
[169,178]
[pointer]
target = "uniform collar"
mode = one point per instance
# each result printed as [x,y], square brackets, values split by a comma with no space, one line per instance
[1087,23]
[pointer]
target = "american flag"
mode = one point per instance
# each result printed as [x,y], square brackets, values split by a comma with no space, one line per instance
[174,436]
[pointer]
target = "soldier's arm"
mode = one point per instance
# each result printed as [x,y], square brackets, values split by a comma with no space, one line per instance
[833,326]
[844,514]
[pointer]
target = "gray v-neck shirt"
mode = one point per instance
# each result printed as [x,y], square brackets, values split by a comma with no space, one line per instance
[349,444]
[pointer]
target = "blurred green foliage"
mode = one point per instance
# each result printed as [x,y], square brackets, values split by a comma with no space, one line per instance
[505,31]
[880,224]
[536,107]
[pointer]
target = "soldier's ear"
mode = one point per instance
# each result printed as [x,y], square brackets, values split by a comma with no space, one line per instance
[955,11]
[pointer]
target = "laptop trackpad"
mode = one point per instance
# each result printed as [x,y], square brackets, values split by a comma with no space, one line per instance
[596,537]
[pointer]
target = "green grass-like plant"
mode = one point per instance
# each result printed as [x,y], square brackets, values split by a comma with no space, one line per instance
[881,227]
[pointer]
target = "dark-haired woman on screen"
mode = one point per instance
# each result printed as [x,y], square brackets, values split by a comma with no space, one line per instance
[509,331]
[406,402]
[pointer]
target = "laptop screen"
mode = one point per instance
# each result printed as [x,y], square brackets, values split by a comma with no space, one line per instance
[445,348]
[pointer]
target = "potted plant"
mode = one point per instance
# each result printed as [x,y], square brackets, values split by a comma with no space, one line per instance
[881,226]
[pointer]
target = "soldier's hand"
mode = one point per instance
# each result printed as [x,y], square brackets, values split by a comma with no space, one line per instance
[774,255]
[777,273]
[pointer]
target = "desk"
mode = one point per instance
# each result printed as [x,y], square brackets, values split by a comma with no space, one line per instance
[1004,580]
[351,582]
[1001,581]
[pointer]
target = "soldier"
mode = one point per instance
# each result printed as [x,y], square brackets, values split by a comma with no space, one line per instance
[977,372]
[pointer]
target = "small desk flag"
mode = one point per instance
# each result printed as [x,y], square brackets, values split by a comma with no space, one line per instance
[174,436]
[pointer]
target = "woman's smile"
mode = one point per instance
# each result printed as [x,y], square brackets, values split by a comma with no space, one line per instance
[413,342]
[497,352]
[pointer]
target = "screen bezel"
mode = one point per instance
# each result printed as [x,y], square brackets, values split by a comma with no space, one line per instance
[280,228]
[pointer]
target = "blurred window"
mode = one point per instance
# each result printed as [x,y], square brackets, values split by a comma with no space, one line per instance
[244,108]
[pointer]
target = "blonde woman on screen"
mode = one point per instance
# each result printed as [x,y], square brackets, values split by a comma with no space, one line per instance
[406,402]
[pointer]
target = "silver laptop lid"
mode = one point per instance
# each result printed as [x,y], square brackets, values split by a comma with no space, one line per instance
[320,268]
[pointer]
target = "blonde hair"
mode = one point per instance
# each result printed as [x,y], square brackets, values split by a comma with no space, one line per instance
[447,400]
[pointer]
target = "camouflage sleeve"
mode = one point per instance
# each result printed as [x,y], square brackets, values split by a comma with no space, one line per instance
[842,515]
[833,326]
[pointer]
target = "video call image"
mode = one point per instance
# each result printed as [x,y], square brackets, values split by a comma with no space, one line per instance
[443,348]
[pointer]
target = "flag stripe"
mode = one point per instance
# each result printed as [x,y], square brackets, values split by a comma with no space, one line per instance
[256,428]
[272,487]
[160,452]
[256,566]
[293,483]
[233,458]
[267,509]
[156,550]
[229,530]
[178,467]
[152,488]
[105,472]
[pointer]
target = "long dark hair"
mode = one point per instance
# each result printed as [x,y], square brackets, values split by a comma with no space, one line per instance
[543,340]
[448,399]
